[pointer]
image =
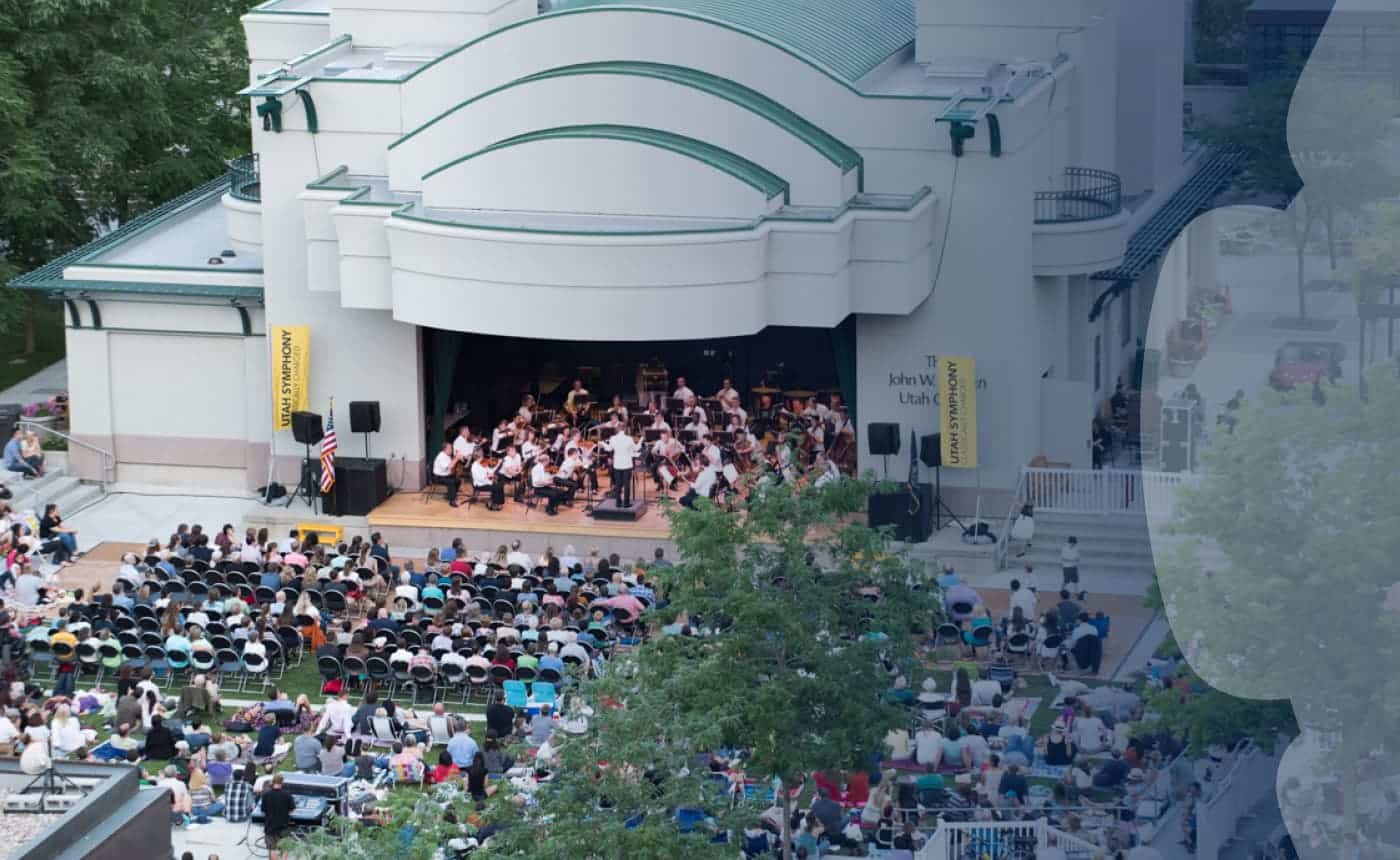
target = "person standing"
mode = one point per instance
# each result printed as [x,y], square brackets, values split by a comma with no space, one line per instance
[624,451]
[1023,529]
[1069,566]
[277,806]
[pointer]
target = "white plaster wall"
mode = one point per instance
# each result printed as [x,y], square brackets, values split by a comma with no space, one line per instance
[389,23]
[888,126]
[244,219]
[621,100]
[983,306]
[1149,93]
[275,38]
[203,370]
[1081,247]
[594,176]
[355,354]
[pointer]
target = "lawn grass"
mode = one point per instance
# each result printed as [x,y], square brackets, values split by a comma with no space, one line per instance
[48,342]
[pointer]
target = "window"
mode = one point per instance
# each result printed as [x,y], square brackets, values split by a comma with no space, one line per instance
[1125,321]
[1098,362]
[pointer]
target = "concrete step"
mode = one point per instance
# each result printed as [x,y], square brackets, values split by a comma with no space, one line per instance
[78,497]
[31,495]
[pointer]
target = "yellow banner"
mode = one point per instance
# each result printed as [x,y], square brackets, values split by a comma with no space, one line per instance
[957,411]
[291,372]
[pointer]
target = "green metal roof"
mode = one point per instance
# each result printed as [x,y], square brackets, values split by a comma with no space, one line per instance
[828,145]
[849,37]
[735,165]
[48,278]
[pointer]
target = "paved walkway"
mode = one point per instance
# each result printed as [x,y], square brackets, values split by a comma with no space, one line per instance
[41,386]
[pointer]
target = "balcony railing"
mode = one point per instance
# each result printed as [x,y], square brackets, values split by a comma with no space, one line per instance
[1085,194]
[243,178]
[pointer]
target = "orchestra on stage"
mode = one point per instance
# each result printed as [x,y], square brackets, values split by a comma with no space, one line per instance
[683,444]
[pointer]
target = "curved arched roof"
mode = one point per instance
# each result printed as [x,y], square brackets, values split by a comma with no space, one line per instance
[849,37]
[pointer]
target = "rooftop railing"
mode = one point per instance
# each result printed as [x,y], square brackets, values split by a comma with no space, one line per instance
[1085,194]
[244,182]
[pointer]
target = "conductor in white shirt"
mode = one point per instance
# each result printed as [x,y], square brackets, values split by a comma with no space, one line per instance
[624,452]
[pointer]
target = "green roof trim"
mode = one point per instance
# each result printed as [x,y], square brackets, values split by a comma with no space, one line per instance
[760,178]
[849,37]
[828,145]
[814,62]
[48,278]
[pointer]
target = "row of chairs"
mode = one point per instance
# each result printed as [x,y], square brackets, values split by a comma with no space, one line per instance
[450,682]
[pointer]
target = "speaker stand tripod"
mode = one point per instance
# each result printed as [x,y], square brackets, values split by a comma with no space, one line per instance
[307,487]
[939,506]
[50,782]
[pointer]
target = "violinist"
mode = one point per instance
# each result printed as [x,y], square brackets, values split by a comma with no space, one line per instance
[618,409]
[542,482]
[527,408]
[530,449]
[669,454]
[484,477]
[732,409]
[445,473]
[727,391]
[744,445]
[501,436]
[463,446]
[567,476]
[511,468]
[693,411]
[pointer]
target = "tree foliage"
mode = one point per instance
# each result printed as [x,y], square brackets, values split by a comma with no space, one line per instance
[792,666]
[108,107]
[1220,33]
[1283,586]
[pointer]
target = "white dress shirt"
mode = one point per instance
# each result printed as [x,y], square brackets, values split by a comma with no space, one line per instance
[481,476]
[442,464]
[624,449]
[705,482]
[539,477]
[462,448]
[511,465]
[683,393]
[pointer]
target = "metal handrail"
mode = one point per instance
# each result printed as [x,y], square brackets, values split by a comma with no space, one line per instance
[1086,195]
[1003,539]
[109,460]
[245,178]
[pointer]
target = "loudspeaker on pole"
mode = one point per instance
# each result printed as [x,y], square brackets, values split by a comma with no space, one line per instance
[364,416]
[306,427]
[884,438]
[931,450]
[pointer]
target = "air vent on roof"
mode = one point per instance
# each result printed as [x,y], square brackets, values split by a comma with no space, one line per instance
[963,68]
[340,67]
[228,252]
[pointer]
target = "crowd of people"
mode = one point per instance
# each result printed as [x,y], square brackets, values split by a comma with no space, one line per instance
[205,608]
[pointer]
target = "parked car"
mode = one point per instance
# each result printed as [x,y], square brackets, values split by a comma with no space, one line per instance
[1300,361]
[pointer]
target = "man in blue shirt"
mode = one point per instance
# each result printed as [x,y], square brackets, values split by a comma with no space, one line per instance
[14,460]
[462,747]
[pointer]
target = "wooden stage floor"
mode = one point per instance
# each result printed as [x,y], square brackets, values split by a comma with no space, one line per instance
[409,510]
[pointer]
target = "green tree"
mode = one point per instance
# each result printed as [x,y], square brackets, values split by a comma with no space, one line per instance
[1220,33]
[1280,585]
[1318,143]
[107,108]
[793,666]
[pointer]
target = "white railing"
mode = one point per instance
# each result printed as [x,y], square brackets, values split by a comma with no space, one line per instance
[1002,839]
[1248,781]
[1101,491]
[1004,539]
[109,460]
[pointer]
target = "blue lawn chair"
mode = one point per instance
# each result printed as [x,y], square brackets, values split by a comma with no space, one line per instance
[516,697]
[545,693]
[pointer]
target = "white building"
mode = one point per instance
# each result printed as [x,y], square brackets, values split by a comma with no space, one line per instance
[688,171]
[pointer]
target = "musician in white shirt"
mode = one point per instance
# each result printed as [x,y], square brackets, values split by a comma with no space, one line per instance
[702,488]
[511,468]
[697,427]
[485,478]
[683,392]
[624,453]
[444,474]
[658,422]
[530,449]
[527,408]
[694,411]
[734,410]
[543,484]
[712,454]
[577,399]
[566,476]
[619,408]
[727,391]
[826,471]
[668,450]
[500,434]
[463,447]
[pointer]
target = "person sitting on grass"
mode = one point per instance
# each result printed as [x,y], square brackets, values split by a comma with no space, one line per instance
[160,741]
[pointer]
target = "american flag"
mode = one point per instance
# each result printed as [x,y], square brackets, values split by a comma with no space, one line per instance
[328,447]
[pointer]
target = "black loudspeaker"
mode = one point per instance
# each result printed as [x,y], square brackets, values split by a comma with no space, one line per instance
[364,416]
[306,427]
[360,486]
[884,439]
[931,450]
[910,514]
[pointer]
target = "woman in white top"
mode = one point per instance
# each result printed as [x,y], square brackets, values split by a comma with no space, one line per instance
[250,551]
[68,734]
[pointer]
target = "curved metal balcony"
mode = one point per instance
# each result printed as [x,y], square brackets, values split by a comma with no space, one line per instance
[244,182]
[1085,194]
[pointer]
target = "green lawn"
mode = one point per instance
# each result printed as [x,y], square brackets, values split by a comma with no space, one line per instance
[49,346]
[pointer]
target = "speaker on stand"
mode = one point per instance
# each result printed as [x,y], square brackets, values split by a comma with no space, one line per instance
[931,453]
[884,440]
[307,429]
[364,418]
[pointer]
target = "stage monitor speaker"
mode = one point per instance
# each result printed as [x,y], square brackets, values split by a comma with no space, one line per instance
[911,515]
[884,438]
[360,486]
[931,450]
[306,427]
[364,416]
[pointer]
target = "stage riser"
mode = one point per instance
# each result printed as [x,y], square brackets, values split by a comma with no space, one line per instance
[533,542]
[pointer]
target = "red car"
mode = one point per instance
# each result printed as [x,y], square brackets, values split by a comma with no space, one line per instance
[1299,362]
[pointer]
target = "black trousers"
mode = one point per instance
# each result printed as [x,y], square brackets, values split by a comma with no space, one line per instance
[551,495]
[453,485]
[497,489]
[622,480]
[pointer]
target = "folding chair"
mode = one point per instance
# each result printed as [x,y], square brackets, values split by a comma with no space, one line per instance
[423,678]
[203,662]
[479,679]
[155,661]
[255,668]
[439,730]
[516,696]
[452,677]
[381,731]
[544,693]
[329,668]
[110,652]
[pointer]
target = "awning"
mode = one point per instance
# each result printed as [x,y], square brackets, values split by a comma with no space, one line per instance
[1153,239]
